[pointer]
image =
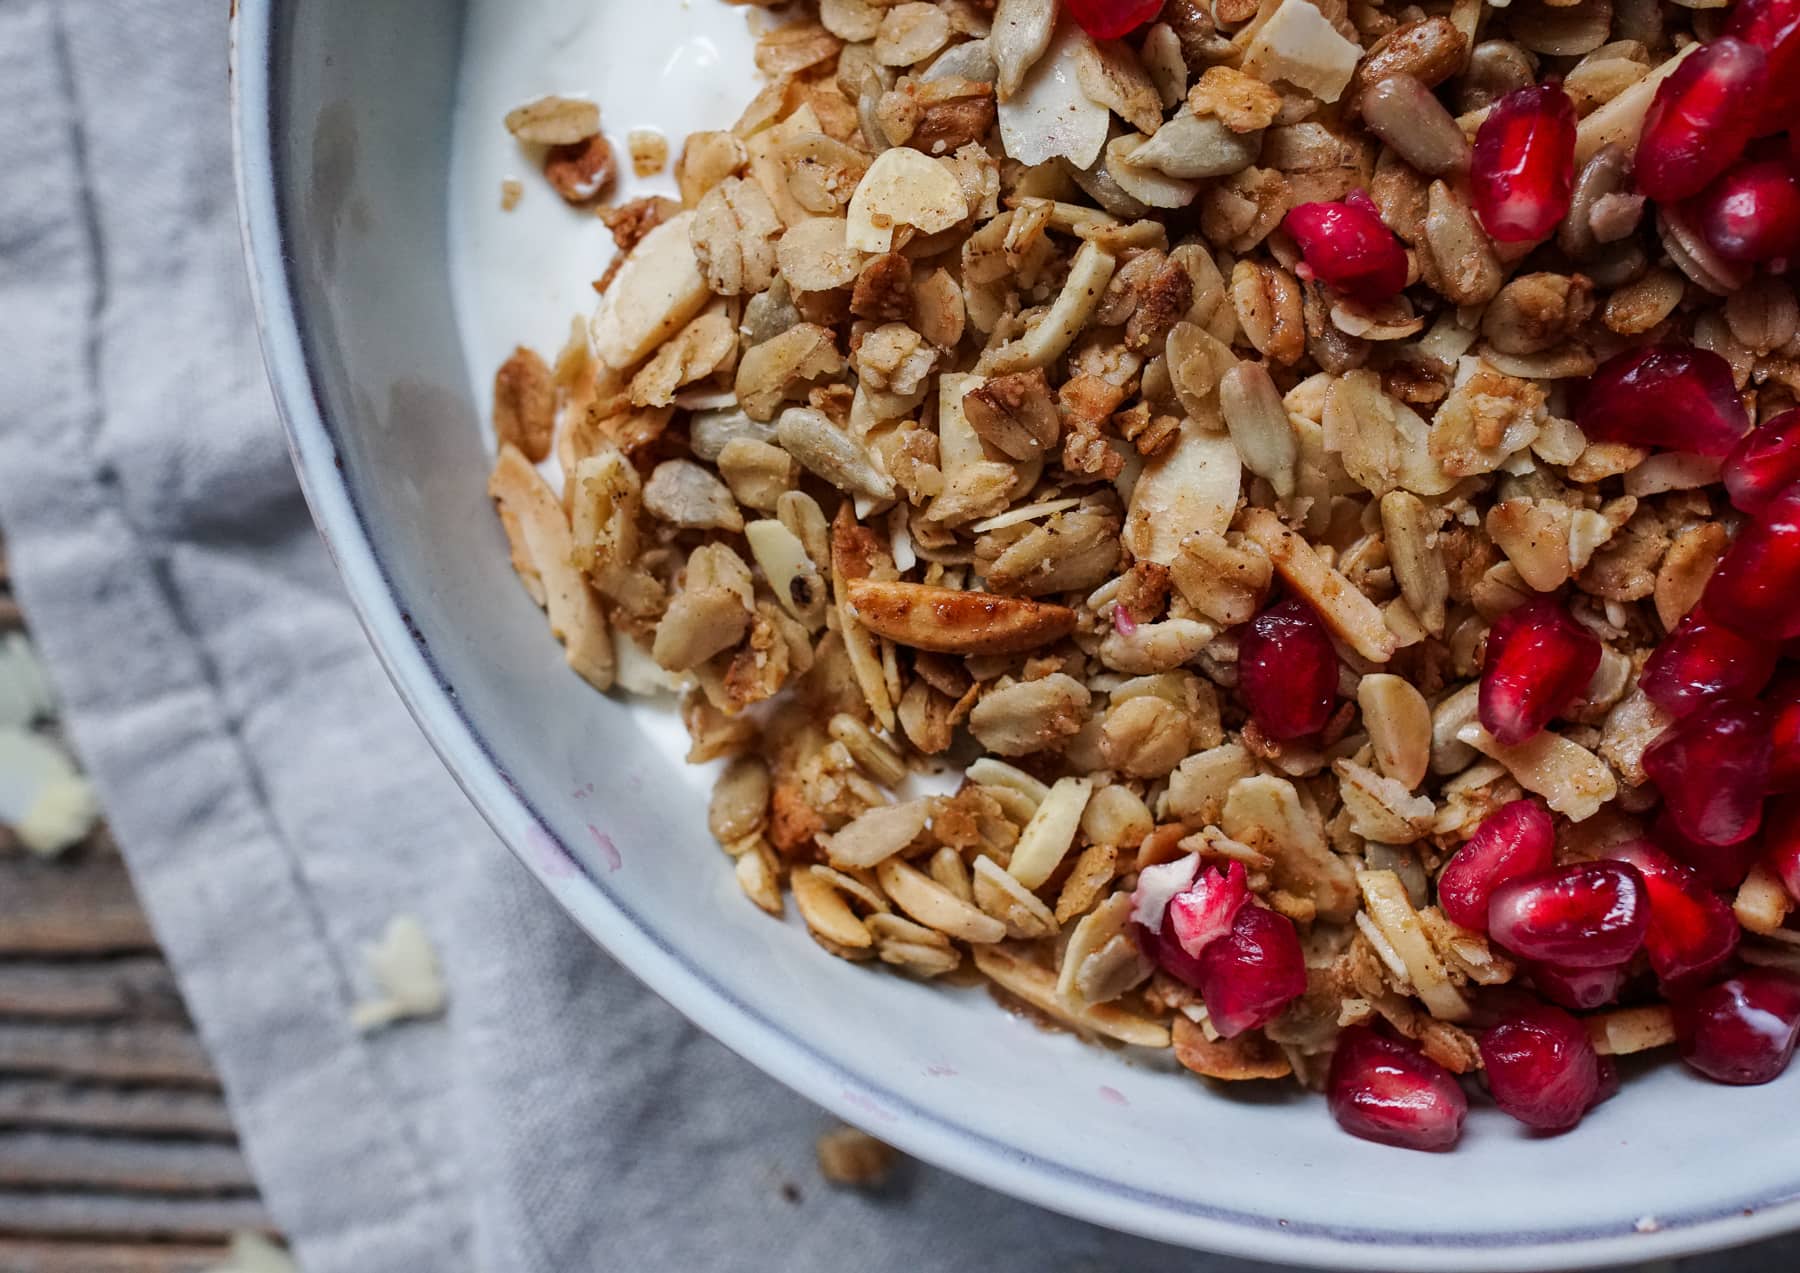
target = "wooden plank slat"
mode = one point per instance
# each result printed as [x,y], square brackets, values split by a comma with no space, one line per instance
[127,1217]
[70,907]
[131,1053]
[94,1257]
[53,1160]
[138,987]
[96,1108]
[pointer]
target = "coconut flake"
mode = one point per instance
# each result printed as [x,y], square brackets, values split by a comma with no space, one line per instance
[1299,45]
[405,969]
[1157,886]
[1050,117]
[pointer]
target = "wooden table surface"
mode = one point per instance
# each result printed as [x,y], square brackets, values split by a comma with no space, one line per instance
[117,1153]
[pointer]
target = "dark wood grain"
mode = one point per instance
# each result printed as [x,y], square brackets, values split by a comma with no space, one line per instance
[127,1217]
[139,987]
[102,1107]
[130,1052]
[84,906]
[19,1256]
[43,1160]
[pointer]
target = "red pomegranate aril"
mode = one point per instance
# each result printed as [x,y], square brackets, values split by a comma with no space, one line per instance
[1288,670]
[1743,1029]
[1783,701]
[1523,168]
[1541,1068]
[1582,989]
[1712,768]
[1349,249]
[1781,835]
[1774,27]
[1110,19]
[1539,661]
[1722,866]
[1692,931]
[1671,396]
[1586,915]
[1701,119]
[1205,912]
[1516,839]
[1702,662]
[1389,1092]
[1765,462]
[1752,213]
[1756,588]
[1248,977]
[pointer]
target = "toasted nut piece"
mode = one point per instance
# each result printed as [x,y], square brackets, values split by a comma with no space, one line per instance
[1265,813]
[1429,50]
[1468,270]
[1048,836]
[1622,119]
[1353,617]
[1388,907]
[1413,554]
[740,800]
[829,916]
[1259,425]
[543,541]
[876,835]
[1298,44]
[1191,487]
[1762,904]
[1000,895]
[1246,1058]
[1089,274]
[1015,413]
[1624,1031]
[758,876]
[935,906]
[951,622]
[1409,118]
[855,1158]
[554,121]
[655,293]
[1399,724]
[525,404]
[1030,716]
[1036,986]
[1573,781]
[903,188]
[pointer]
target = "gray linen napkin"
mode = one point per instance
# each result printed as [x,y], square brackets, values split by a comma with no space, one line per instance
[277,806]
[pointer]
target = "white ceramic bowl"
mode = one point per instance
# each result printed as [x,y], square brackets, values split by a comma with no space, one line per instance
[390,285]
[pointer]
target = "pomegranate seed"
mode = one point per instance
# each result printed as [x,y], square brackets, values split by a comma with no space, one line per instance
[1588,915]
[1166,953]
[1252,973]
[1752,213]
[1741,1030]
[1781,833]
[1524,164]
[1539,661]
[1348,249]
[1390,1092]
[1701,119]
[1756,588]
[1204,913]
[1691,930]
[1582,989]
[1774,27]
[1764,463]
[1701,662]
[1670,396]
[1784,734]
[1541,1068]
[1287,670]
[1712,768]
[1110,19]
[1722,866]
[1516,839]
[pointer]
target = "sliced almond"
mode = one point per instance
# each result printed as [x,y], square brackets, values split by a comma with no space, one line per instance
[1191,487]
[1265,813]
[828,915]
[655,293]
[1035,985]
[1355,619]
[903,187]
[1051,831]
[952,622]
[1573,781]
[1000,895]
[875,836]
[935,906]
[1392,912]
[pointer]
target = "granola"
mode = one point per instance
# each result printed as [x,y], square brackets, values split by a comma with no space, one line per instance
[1285,461]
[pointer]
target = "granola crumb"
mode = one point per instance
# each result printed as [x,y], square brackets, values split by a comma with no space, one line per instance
[511,191]
[853,1158]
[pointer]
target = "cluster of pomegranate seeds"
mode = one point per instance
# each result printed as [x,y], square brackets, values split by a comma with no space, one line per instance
[1288,670]
[1541,1067]
[1701,119]
[1516,839]
[1774,27]
[1584,915]
[1712,768]
[1743,1029]
[1523,171]
[1764,463]
[1722,866]
[1784,734]
[1702,662]
[1388,1091]
[1539,661]
[1670,396]
[1252,973]
[1110,19]
[1756,588]
[1348,248]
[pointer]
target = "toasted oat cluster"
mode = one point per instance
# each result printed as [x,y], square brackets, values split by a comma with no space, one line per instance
[1316,477]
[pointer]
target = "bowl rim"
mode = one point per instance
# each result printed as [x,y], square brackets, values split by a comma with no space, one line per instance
[257,85]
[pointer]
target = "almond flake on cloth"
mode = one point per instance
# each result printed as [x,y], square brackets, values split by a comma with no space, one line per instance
[406,969]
